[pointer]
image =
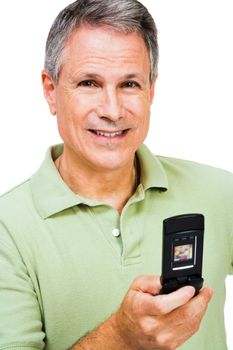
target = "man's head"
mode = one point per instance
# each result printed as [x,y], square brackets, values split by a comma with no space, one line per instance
[125,16]
[99,80]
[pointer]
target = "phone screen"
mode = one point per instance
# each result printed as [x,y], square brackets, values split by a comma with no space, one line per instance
[184,253]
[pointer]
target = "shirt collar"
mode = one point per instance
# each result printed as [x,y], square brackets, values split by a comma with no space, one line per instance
[51,195]
[153,174]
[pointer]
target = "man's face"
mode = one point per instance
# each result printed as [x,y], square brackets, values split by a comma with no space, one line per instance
[103,97]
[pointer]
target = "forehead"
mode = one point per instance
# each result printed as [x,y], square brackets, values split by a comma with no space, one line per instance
[102,45]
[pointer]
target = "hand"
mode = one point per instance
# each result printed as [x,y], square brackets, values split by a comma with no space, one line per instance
[149,321]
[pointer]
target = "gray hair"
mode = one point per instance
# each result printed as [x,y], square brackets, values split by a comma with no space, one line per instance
[123,15]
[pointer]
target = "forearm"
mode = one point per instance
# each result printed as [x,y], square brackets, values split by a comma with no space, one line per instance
[104,337]
[147,320]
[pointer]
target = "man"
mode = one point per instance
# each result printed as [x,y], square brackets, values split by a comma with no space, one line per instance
[80,241]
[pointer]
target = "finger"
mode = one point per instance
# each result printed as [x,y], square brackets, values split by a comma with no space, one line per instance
[165,303]
[147,284]
[183,322]
[207,294]
[182,331]
[195,308]
[201,301]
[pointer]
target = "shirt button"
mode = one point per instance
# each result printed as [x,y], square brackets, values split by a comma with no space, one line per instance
[116,232]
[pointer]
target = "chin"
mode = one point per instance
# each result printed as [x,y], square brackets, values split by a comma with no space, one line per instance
[111,162]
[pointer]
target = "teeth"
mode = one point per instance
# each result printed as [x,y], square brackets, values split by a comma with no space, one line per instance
[109,134]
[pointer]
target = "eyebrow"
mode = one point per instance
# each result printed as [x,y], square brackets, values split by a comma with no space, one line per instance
[132,76]
[89,75]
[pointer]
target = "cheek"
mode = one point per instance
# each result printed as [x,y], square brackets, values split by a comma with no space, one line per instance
[143,113]
[70,112]
[68,123]
[144,127]
[144,121]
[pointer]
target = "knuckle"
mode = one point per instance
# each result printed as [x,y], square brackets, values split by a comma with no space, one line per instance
[193,326]
[139,278]
[186,313]
[203,301]
[138,281]
[175,344]
[160,307]
[147,327]
[196,325]
[172,347]
[164,343]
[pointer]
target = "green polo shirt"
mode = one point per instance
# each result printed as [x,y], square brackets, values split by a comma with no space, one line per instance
[66,262]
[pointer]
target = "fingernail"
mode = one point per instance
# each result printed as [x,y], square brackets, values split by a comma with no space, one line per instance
[190,290]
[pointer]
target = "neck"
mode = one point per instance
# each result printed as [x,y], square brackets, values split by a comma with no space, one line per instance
[113,187]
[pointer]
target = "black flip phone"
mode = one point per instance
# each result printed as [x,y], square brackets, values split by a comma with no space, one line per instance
[182,252]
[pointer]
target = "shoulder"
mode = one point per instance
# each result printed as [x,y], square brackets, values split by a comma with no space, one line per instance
[19,191]
[196,172]
[16,201]
[199,181]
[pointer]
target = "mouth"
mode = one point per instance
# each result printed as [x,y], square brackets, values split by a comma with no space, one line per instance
[109,134]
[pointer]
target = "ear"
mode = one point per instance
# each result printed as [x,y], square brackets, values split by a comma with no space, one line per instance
[152,89]
[49,88]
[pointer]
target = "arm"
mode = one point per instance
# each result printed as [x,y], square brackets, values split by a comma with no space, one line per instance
[20,317]
[147,321]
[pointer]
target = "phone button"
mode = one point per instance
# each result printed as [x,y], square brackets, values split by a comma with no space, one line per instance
[182,280]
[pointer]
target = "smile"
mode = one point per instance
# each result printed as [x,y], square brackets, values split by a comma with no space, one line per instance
[109,134]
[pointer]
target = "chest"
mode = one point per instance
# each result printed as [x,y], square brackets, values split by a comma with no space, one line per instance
[81,270]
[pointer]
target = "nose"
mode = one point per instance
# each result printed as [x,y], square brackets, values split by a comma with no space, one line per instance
[111,106]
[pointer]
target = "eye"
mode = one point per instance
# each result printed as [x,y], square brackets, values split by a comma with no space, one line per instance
[87,83]
[130,84]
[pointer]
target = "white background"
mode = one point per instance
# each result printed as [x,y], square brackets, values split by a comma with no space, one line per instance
[193,108]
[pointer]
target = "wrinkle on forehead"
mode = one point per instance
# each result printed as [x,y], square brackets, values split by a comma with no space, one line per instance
[91,48]
[109,32]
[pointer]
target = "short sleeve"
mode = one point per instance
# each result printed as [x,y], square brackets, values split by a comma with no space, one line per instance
[20,317]
[229,209]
